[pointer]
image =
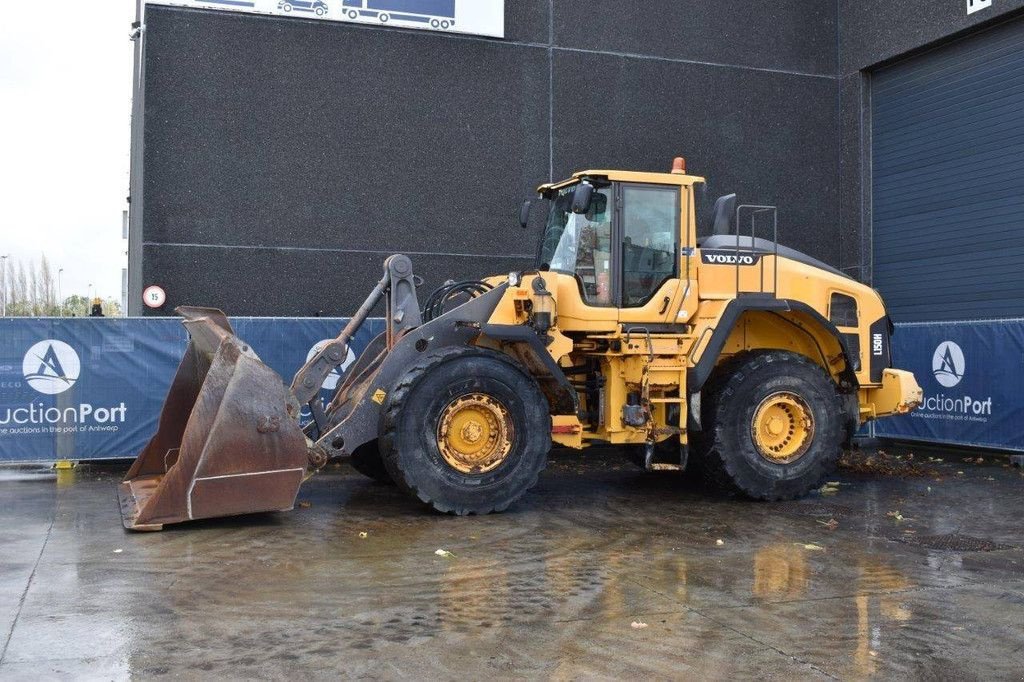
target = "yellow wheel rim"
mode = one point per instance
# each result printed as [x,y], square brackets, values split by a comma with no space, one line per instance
[782,428]
[475,433]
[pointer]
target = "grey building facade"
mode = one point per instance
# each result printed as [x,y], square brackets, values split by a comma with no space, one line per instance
[277,161]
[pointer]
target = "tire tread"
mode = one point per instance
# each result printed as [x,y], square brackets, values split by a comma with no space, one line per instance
[723,470]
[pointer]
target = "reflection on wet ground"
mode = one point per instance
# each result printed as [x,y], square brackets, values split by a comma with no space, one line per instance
[601,571]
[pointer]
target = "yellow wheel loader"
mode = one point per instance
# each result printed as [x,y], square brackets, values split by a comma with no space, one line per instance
[745,359]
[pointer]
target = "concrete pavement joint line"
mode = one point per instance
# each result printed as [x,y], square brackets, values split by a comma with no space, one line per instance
[24,594]
[733,629]
[335,250]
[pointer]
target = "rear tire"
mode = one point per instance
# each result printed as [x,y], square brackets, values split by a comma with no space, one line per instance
[366,460]
[481,402]
[774,425]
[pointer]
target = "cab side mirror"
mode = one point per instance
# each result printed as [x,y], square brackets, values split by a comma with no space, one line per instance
[581,197]
[524,214]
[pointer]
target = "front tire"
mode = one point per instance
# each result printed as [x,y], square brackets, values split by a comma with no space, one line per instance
[774,425]
[466,431]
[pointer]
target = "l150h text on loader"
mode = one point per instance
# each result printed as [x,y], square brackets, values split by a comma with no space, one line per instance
[751,361]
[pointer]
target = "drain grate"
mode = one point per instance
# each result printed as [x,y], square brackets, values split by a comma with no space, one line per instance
[952,542]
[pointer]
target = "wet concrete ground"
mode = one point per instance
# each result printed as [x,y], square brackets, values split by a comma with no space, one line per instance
[848,584]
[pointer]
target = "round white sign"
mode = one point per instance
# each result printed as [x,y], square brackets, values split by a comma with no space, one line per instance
[154,296]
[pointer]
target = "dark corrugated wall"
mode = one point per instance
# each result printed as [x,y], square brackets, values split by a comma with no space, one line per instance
[948,180]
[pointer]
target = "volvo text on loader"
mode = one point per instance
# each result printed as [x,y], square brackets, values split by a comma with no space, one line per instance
[729,353]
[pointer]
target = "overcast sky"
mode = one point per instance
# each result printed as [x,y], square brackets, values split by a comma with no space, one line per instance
[65,113]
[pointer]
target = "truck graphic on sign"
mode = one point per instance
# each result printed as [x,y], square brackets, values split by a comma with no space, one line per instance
[436,13]
[318,7]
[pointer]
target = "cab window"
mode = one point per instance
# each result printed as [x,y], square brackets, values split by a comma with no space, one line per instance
[650,218]
[580,244]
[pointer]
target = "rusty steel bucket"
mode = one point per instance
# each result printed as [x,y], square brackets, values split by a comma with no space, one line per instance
[228,441]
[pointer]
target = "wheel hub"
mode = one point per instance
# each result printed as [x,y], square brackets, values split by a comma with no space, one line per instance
[782,428]
[475,433]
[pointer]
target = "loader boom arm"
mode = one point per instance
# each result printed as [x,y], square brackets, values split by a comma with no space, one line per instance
[403,313]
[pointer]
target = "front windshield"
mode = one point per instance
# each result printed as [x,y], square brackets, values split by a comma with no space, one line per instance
[580,244]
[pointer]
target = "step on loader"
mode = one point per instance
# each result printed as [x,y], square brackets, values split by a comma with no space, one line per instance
[749,361]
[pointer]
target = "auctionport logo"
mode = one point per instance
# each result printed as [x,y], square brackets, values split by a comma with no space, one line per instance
[51,367]
[948,364]
[948,368]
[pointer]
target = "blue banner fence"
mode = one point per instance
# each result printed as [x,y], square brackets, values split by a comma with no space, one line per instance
[92,388]
[972,374]
[88,388]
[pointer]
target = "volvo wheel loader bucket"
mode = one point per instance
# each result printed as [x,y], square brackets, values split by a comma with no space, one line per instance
[228,441]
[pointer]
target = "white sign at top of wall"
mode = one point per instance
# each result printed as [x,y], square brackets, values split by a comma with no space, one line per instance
[476,17]
[974,5]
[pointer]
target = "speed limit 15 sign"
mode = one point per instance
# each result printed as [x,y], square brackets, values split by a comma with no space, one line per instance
[154,296]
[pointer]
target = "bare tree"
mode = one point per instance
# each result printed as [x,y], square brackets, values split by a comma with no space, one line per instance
[31,290]
[47,287]
[19,292]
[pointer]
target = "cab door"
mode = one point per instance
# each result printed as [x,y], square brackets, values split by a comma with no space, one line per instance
[649,287]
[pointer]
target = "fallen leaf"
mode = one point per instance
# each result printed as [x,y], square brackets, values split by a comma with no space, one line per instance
[638,625]
[828,489]
[305,505]
[895,514]
[814,548]
[444,553]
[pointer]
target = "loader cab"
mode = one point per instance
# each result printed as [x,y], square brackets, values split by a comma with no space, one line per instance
[624,240]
